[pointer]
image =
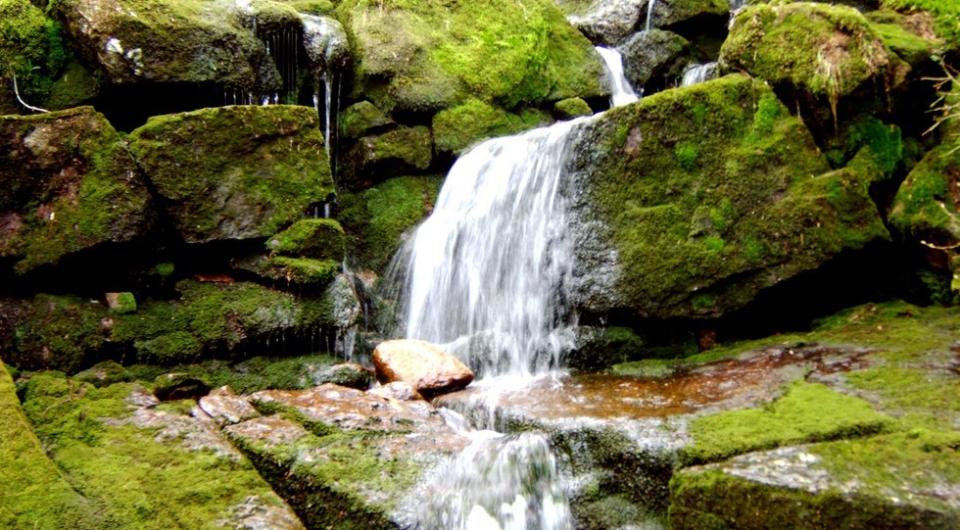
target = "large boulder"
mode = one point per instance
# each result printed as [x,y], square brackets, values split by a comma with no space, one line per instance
[605,22]
[692,201]
[425,56]
[668,13]
[820,54]
[166,41]
[421,364]
[235,172]
[68,184]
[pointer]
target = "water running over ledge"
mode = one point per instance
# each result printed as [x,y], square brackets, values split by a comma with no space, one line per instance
[488,272]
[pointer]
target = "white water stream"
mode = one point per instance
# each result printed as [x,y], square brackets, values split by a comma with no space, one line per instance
[488,274]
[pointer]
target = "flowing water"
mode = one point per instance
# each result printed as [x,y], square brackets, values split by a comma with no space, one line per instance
[698,73]
[488,275]
[650,6]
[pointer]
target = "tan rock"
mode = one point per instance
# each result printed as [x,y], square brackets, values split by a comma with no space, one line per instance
[423,365]
[397,390]
[226,407]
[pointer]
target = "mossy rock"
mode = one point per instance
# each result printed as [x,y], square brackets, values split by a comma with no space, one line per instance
[395,152]
[36,494]
[214,318]
[697,222]
[926,206]
[654,55]
[59,332]
[175,470]
[414,56]
[911,37]
[235,172]
[361,119]
[376,219]
[821,53]
[884,482]
[167,41]
[287,271]
[945,15]
[311,238]
[456,129]
[68,184]
[672,12]
[104,373]
[569,108]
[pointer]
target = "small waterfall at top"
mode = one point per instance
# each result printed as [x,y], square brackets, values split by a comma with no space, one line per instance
[488,273]
[650,5]
[327,48]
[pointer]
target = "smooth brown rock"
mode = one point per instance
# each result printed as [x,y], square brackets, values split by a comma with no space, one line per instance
[423,365]
[226,407]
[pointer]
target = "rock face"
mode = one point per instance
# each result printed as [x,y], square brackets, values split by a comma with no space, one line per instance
[692,201]
[654,53]
[235,172]
[424,366]
[163,41]
[423,57]
[607,22]
[68,184]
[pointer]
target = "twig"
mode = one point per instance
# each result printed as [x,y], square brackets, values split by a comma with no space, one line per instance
[16,92]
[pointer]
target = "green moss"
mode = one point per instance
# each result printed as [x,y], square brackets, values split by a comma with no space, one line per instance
[213,318]
[828,51]
[421,56]
[124,303]
[57,332]
[919,395]
[569,108]
[35,494]
[885,142]
[806,413]
[404,148]
[737,188]
[377,218]
[165,484]
[924,208]
[32,49]
[307,271]
[312,238]
[946,15]
[250,375]
[362,118]
[910,47]
[455,129]
[235,172]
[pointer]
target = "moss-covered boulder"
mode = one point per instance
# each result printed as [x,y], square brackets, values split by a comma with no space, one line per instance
[668,13]
[395,152]
[287,271]
[605,22]
[904,480]
[455,129]
[36,494]
[167,41]
[361,119]
[235,172]
[819,53]
[59,332]
[312,238]
[693,200]
[68,184]
[569,108]
[944,14]
[175,470]
[415,56]
[376,219]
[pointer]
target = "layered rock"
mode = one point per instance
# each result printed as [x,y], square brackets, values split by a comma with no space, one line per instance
[69,185]
[692,201]
[654,53]
[234,172]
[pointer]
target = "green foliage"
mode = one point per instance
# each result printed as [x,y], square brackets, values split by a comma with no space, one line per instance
[455,129]
[32,49]
[946,14]
[806,413]
[313,238]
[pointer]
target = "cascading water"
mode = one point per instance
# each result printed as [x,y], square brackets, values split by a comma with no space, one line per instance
[698,73]
[488,273]
[650,5]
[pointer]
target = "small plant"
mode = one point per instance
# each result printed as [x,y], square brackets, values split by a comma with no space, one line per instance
[947,106]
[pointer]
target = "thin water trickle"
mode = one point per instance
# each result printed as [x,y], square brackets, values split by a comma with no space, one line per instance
[650,5]
[698,73]
[488,275]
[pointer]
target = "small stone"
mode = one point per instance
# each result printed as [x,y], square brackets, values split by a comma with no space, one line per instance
[104,373]
[226,407]
[423,365]
[569,108]
[351,375]
[121,303]
[398,390]
[175,386]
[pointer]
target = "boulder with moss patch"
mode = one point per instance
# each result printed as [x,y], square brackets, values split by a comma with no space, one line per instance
[398,151]
[735,199]
[414,56]
[822,55]
[163,41]
[68,184]
[312,238]
[653,54]
[235,172]
[362,119]
[458,128]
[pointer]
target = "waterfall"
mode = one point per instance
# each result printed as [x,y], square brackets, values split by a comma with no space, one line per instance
[621,93]
[650,6]
[698,73]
